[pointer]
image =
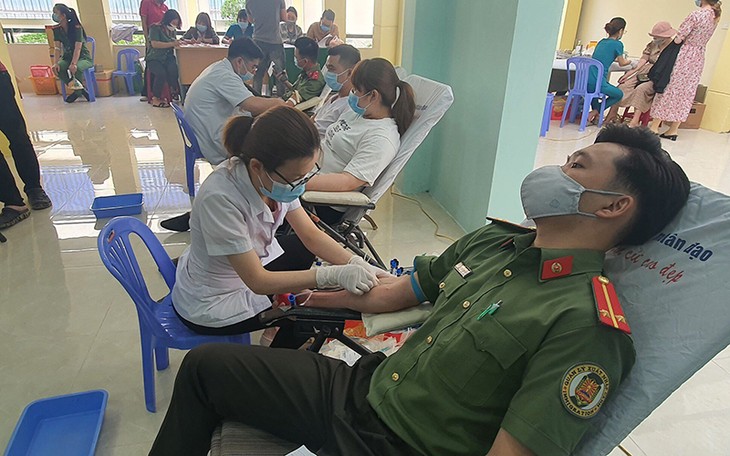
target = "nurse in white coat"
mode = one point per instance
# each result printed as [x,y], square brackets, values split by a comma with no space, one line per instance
[222,284]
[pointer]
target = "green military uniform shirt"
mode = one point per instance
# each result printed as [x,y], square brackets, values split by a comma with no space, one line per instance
[539,366]
[158,32]
[59,34]
[309,84]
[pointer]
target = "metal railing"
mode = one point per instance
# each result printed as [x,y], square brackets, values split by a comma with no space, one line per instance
[26,9]
[128,10]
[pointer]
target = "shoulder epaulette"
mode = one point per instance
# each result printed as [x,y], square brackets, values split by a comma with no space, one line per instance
[609,310]
[498,221]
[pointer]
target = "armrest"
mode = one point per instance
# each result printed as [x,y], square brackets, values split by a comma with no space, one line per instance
[311,103]
[352,199]
[308,314]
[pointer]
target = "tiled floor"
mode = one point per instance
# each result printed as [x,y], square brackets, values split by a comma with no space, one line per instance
[66,325]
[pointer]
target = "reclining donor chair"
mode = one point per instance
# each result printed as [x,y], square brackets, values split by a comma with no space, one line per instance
[433,99]
[674,291]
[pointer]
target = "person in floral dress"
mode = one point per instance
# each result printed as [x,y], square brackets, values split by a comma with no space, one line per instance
[673,106]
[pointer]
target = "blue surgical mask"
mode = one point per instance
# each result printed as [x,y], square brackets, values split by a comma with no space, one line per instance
[549,192]
[202,28]
[296,63]
[698,3]
[352,100]
[55,18]
[325,28]
[282,193]
[331,80]
[247,76]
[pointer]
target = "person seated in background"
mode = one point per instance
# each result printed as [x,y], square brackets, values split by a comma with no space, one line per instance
[310,82]
[216,95]
[72,56]
[325,26]
[524,345]
[203,32]
[607,51]
[161,61]
[241,28]
[341,60]
[638,90]
[290,31]
[222,278]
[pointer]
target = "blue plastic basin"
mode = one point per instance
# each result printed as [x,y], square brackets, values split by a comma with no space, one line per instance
[67,425]
[117,205]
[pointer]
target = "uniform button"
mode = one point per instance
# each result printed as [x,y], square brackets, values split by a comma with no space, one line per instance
[465,304]
[442,285]
[395,376]
[429,339]
[507,273]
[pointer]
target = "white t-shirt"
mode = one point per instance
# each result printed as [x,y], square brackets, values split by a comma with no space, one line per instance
[228,217]
[210,102]
[329,112]
[359,146]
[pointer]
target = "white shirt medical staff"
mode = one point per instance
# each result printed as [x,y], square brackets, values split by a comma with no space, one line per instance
[221,280]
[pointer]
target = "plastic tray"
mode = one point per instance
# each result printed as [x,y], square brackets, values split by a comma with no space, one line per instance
[67,425]
[116,205]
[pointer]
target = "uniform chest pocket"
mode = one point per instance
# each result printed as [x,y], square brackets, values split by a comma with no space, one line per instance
[451,283]
[478,359]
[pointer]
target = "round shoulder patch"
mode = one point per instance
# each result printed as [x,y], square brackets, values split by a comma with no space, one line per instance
[583,389]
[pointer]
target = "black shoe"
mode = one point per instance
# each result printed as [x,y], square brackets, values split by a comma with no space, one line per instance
[71,98]
[670,137]
[181,223]
[85,94]
[9,217]
[38,199]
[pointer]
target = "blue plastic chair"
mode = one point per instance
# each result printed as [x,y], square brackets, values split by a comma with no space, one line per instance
[159,326]
[547,113]
[192,149]
[579,88]
[128,57]
[89,75]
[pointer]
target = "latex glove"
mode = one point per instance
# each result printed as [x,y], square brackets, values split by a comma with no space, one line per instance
[356,259]
[352,277]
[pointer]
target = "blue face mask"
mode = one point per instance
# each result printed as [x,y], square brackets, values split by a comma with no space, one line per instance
[55,18]
[281,193]
[247,76]
[698,3]
[325,28]
[296,63]
[332,82]
[202,28]
[352,100]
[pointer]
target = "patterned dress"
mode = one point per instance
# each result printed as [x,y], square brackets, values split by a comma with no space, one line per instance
[675,103]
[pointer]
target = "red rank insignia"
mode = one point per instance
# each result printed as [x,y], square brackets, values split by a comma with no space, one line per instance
[314,75]
[558,267]
[609,310]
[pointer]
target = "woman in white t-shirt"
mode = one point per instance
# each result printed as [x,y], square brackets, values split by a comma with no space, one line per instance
[365,139]
[222,283]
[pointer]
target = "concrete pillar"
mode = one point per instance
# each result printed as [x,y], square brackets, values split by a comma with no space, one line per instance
[570,24]
[95,16]
[387,29]
[717,113]
[498,65]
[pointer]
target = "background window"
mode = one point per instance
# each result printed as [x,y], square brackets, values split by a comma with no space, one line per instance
[359,25]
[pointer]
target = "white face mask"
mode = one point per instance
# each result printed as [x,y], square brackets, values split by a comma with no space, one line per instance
[548,192]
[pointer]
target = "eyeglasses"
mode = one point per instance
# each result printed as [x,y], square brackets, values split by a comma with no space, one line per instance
[303,180]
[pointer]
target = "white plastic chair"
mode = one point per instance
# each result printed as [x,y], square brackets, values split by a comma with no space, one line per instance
[678,312]
[433,99]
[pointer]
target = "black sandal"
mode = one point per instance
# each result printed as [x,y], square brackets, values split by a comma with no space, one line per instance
[669,137]
[9,217]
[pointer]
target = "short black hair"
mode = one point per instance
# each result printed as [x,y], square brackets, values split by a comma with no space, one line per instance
[246,48]
[328,14]
[291,9]
[308,48]
[169,16]
[242,14]
[648,173]
[349,55]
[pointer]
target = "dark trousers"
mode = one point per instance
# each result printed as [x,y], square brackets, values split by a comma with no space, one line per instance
[163,73]
[272,53]
[13,127]
[296,256]
[300,396]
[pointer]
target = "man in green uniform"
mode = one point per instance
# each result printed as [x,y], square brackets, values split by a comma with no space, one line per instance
[525,343]
[310,82]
